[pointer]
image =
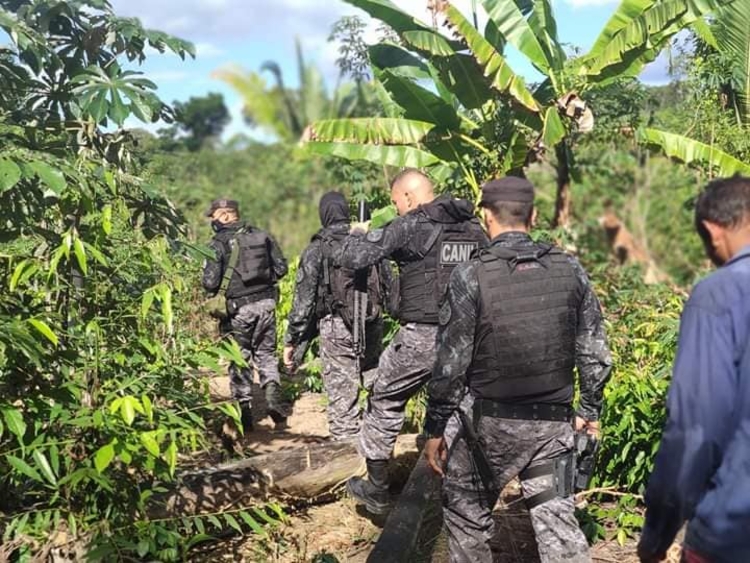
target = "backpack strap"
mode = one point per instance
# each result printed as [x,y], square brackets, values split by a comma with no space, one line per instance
[325,243]
[434,236]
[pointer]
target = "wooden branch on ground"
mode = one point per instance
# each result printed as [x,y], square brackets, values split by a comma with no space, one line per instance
[405,523]
[302,472]
[611,491]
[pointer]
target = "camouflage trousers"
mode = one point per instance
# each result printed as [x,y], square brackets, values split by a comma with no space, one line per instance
[341,375]
[405,366]
[253,327]
[511,446]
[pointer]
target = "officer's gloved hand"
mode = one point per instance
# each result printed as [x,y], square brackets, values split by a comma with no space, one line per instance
[360,228]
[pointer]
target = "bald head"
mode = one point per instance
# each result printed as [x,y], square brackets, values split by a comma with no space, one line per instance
[410,189]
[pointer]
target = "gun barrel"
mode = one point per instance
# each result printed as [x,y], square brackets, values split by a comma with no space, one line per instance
[363,213]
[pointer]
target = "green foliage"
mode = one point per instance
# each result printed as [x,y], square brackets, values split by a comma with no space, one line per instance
[166,539]
[642,326]
[691,151]
[617,521]
[100,379]
[348,32]
[286,113]
[463,87]
[618,108]
[202,118]
[733,41]
[275,185]
[715,112]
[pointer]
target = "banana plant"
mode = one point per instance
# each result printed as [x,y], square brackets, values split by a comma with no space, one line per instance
[285,112]
[454,105]
[691,151]
[729,34]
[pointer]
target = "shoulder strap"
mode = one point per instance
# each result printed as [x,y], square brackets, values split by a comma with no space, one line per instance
[434,236]
[515,256]
[231,265]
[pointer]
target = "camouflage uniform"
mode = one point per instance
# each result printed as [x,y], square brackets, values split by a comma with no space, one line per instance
[341,375]
[253,327]
[407,362]
[511,445]
[252,318]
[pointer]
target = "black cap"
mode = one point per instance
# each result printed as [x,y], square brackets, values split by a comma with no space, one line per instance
[510,188]
[222,204]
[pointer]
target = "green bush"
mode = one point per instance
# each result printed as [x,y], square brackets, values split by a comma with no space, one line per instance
[642,326]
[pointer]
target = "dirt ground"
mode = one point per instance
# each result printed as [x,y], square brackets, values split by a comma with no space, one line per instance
[339,531]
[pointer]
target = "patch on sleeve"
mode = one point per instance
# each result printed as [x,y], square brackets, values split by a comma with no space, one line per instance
[300,274]
[375,236]
[444,316]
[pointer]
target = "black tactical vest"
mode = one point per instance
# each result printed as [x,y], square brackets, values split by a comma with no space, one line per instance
[439,246]
[253,275]
[526,331]
[336,287]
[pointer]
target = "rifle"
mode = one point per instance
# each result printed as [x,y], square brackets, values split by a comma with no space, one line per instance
[479,456]
[310,334]
[360,295]
[587,447]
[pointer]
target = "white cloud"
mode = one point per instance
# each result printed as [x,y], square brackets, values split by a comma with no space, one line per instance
[205,49]
[222,20]
[213,3]
[255,20]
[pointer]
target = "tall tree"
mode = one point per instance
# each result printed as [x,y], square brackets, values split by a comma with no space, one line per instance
[203,118]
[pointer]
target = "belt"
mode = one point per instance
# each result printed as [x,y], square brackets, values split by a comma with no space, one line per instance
[236,302]
[532,411]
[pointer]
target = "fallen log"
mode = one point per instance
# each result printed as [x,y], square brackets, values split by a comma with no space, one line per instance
[415,517]
[303,472]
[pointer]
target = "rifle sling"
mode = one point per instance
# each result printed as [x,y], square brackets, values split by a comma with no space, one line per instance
[234,256]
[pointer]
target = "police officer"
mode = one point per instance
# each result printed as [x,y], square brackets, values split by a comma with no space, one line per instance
[427,240]
[251,304]
[516,321]
[325,293]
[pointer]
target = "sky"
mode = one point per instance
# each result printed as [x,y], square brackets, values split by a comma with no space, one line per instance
[250,32]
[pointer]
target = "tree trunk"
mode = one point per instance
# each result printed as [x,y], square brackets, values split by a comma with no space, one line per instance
[304,472]
[562,201]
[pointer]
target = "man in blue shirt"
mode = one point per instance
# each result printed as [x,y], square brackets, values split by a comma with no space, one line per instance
[702,470]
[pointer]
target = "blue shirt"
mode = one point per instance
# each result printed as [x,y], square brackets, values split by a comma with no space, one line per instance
[702,470]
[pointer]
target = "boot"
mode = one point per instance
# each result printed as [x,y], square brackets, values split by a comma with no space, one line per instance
[246,417]
[373,492]
[276,408]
